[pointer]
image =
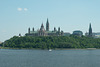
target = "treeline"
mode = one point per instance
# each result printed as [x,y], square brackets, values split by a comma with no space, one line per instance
[51,42]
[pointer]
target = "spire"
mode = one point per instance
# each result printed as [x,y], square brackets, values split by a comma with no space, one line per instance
[47,20]
[42,25]
[90,30]
[33,29]
[29,30]
[90,25]
[55,29]
[59,29]
[47,25]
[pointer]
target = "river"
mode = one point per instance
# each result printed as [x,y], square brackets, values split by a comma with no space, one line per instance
[45,58]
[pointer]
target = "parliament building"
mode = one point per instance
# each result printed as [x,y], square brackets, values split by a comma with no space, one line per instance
[46,32]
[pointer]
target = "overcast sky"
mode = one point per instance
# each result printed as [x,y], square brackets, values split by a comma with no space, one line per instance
[16,16]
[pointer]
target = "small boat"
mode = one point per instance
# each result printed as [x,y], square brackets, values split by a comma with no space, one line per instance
[50,50]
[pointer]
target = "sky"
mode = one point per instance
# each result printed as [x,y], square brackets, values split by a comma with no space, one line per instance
[16,16]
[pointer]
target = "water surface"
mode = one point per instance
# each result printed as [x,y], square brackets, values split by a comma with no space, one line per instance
[44,58]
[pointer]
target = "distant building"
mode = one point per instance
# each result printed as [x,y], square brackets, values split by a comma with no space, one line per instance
[47,32]
[90,31]
[66,34]
[78,33]
[94,34]
[89,34]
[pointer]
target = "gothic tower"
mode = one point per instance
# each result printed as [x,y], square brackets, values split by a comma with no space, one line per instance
[47,25]
[90,30]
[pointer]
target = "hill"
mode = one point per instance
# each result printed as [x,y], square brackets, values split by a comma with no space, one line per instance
[46,42]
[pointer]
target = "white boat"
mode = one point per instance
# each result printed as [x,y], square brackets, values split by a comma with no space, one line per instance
[50,50]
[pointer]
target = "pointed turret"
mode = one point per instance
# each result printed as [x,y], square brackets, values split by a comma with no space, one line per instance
[58,29]
[47,25]
[29,30]
[42,27]
[33,29]
[90,30]
[19,35]
[55,29]
[62,33]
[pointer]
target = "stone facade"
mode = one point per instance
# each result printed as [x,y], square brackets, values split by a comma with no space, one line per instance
[43,32]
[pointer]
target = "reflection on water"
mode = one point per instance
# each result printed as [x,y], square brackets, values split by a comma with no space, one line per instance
[45,58]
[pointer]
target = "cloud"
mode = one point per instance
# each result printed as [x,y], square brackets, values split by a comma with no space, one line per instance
[25,9]
[19,9]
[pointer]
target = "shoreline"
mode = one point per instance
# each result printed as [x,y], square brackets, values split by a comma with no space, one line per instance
[52,49]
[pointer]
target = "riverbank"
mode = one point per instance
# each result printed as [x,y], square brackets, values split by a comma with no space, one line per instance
[19,48]
[52,49]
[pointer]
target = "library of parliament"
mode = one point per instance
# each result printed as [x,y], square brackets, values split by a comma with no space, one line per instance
[45,32]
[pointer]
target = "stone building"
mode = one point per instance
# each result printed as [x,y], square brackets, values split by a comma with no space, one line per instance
[78,33]
[47,32]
